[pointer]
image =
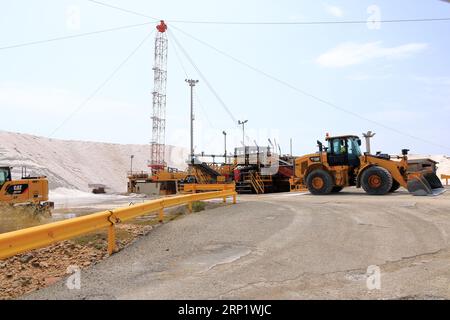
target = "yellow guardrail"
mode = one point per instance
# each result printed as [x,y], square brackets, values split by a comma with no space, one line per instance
[15,242]
[194,187]
[446,177]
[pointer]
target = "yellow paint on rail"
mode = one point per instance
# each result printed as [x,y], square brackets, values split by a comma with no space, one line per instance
[194,187]
[15,242]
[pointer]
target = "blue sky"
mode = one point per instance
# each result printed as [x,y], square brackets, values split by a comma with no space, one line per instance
[397,75]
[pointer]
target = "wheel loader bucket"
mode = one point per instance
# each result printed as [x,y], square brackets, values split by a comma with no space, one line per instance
[426,184]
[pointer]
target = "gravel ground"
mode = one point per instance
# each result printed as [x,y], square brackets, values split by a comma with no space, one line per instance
[284,246]
[36,269]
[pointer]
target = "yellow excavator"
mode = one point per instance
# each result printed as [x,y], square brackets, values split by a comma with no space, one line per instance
[341,164]
[32,191]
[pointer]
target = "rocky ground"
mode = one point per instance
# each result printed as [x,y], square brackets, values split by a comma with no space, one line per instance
[34,270]
[39,268]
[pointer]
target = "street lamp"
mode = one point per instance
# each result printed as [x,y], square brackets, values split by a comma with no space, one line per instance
[131,166]
[225,140]
[243,130]
[192,84]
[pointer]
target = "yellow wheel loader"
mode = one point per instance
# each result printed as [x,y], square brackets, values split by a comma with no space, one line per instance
[341,164]
[32,191]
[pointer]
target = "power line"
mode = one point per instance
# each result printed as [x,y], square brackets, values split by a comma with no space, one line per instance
[180,61]
[277,22]
[267,75]
[196,96]
[282,81]
[122,9]
[214,92]
[308,22]
[101,86]
[79,35]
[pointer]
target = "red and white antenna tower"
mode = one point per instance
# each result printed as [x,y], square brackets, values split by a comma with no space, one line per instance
[157,162]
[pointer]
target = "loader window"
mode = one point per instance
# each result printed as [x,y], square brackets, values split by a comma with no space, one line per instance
[354,152]
[344,152]
[336,146]
[4,176]
[337,152]
[353,147]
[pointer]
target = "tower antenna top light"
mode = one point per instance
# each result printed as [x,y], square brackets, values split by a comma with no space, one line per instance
[162,26]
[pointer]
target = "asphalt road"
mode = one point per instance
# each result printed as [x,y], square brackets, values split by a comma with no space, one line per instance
[284,246]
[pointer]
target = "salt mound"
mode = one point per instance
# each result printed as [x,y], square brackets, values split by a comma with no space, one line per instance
[75,164]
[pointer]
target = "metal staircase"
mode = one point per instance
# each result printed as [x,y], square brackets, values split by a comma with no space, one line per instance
[253,182]
[200,176]
[257,182]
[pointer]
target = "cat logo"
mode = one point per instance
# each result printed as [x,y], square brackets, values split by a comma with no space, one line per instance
[17,189]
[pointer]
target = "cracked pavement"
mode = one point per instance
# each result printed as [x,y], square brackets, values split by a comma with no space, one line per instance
[284,246]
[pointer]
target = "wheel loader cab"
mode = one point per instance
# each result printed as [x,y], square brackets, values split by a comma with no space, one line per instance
[344,151]
[5,175]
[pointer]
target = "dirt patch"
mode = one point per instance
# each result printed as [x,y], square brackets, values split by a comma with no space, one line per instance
[27,272]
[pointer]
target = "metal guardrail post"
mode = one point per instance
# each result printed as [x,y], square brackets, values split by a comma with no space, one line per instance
[446,177]
[112,233]
[111,239]
[15,242]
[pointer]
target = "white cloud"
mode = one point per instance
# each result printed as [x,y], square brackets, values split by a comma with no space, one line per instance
[398,115]
[349,53]
[363,77]
[39,109]
[433,81]
[334,10]
[24,98]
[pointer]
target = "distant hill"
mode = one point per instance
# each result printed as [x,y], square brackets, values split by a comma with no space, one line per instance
[75,164]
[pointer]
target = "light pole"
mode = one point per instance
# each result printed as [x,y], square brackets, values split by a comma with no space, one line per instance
[192,84]
[290,146]
[131,165]
[243,130]
[225,141]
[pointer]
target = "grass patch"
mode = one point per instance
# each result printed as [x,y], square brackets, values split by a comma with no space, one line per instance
[198,206]
[99,239]
[20,217]
[90,239]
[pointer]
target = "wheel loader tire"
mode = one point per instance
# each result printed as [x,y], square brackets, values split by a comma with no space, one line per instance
[336,189]
[395,186]
[319,182]
[376,181]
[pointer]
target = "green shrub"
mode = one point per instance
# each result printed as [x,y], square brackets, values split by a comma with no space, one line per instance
[198,206]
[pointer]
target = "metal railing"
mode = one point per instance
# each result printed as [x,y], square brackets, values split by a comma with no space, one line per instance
[257,183]
[446,177]
[194,187]
[15,242]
